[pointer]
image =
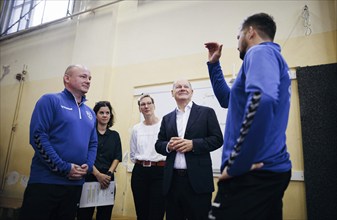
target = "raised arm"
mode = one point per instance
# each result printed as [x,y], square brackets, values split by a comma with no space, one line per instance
[220,87]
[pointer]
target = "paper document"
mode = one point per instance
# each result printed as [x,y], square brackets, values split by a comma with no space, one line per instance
[93,195]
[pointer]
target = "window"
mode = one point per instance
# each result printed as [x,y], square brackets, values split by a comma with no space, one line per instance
[18,15]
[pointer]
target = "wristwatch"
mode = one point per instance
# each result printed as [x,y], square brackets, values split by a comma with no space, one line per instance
[109,173]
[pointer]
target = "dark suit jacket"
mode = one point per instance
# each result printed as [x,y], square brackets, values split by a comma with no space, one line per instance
[204,130]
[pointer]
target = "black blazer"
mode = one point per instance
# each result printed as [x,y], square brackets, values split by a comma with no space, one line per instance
[204,130]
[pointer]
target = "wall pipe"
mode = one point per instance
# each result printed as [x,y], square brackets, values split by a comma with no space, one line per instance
[21,78]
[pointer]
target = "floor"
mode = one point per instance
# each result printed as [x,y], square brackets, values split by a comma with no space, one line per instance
[123,218]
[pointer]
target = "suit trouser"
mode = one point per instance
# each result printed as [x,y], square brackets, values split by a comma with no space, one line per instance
[147,189]
[255,195]
[183,202]
[50,202]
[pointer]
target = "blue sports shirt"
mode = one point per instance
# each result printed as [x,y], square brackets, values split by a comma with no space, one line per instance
[265,71]
[61,133]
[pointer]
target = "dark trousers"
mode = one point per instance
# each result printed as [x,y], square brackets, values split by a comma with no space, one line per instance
[50,202]
[183,203]
[147,189]
[103,213]
[255,195]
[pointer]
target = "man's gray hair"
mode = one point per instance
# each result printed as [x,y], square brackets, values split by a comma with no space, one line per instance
[71,67]
[175,82]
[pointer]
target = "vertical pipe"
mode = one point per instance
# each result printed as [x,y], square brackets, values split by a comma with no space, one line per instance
[14,124]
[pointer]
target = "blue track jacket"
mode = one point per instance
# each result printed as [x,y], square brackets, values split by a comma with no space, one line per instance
[61,133]
[264,71]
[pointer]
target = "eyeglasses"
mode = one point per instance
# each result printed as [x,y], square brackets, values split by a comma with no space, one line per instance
[143,104]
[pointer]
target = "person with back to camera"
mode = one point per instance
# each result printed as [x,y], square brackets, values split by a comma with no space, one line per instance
[256,168]
[147,174]
[63,135]
[187,136]
[109,154]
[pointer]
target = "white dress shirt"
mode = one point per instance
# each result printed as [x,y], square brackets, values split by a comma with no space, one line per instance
[182,119]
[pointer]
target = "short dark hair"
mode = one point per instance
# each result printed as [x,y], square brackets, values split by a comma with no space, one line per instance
[144,96]
[101,104]
[263,23]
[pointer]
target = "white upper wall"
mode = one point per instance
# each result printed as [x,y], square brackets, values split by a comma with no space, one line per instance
[127,33]
[163,29]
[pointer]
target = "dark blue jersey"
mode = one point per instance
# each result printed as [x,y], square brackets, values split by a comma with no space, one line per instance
[61,132]
[264,71]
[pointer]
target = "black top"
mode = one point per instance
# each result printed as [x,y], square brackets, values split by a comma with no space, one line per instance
[109,149]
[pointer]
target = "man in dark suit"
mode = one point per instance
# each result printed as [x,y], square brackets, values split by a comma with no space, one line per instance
[187,136]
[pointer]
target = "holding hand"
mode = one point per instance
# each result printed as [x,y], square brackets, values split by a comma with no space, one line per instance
[179,144]
[77,172]
[104,180]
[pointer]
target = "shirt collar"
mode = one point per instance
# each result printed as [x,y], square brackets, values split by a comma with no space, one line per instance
[189,106]
[70,95]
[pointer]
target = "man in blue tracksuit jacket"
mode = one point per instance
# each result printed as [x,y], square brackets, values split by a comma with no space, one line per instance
[256,168]
[64,138]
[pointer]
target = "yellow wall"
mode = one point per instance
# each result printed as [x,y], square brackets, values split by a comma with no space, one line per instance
[130,45]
